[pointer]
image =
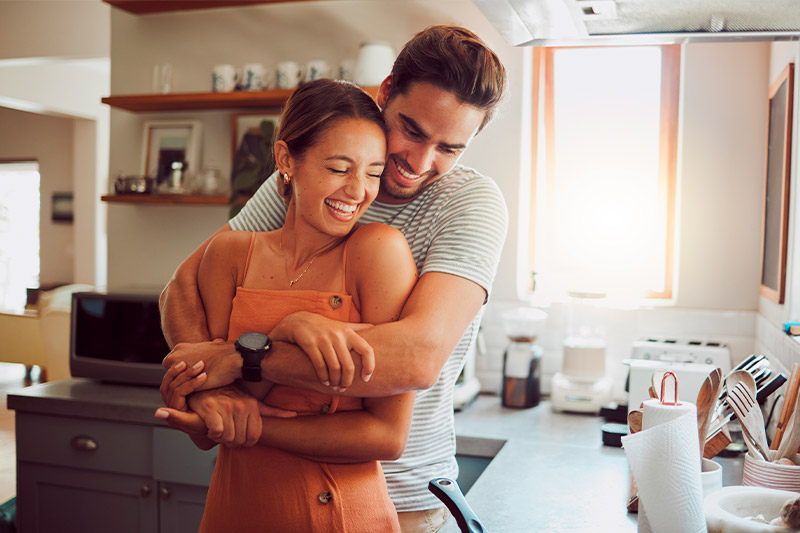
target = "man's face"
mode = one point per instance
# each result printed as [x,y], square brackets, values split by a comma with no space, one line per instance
[429,129]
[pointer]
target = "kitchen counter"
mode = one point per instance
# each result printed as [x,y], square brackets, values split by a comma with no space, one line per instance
[552,474]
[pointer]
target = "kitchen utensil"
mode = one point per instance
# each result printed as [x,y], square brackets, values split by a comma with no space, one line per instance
[788,406]
[742,400]
[450,494]
[706,400]
[791,440]
[133,185]
[635,421]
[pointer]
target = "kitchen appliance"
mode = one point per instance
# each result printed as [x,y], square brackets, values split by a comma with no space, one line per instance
[467,385]
[691,360]
[582,385]
[521,360]
[117,337]
[598,22]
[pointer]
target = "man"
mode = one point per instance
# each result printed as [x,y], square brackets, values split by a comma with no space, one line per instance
[443,89]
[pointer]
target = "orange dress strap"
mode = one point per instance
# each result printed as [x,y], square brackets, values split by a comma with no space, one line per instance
[249,253]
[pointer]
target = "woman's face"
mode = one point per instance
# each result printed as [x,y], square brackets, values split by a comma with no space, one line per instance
[338,177]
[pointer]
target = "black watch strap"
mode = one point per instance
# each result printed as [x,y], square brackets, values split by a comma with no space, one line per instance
[253,347]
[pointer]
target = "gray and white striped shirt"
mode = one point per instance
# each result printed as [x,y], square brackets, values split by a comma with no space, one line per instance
[456,226]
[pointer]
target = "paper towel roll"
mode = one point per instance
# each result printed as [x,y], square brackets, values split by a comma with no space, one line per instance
[665,462]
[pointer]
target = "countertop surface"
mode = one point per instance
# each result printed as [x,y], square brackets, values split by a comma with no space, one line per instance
[552,474]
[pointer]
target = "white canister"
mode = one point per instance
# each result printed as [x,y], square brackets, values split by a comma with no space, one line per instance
[224,78]
[375,60]
[288,74]
[254,77]
[317,69]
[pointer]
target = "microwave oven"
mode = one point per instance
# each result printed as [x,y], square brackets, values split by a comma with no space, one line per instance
[117,338]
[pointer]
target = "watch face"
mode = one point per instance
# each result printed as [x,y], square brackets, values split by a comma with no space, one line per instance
[253,341]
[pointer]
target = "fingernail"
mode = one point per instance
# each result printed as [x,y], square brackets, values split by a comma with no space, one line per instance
[367,377]
[198,365]
[326,383]
[336,388]
[162,414]
[181,365]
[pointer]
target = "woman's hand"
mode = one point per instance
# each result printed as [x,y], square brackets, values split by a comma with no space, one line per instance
[328,343]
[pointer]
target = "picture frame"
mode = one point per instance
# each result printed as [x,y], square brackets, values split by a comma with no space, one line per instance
[250,122]
[775,222]
[167,141]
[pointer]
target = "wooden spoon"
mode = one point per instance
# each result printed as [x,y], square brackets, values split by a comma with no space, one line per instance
[791,438]
[706,399]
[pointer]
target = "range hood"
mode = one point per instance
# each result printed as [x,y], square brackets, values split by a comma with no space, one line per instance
[598,22]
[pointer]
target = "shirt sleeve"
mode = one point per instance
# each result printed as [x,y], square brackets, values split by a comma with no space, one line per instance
[265,211]
[468,233]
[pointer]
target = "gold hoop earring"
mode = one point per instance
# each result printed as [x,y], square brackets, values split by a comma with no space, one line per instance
[286,179]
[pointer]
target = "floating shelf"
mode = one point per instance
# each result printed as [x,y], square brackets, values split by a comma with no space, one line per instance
[144,7]
[140,103]
[165,199]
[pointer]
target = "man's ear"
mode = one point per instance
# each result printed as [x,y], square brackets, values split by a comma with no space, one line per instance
[283,158]
[383,91]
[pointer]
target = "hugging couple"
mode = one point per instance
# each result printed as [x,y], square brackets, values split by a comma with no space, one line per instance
[319,334]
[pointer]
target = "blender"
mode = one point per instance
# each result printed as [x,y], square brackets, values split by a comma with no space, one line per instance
[582,385]
[521,360]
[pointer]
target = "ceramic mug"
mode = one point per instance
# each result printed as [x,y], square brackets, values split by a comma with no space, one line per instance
[288,74]
[254,77]
[162,78]
[375,61]
[347,69]
[317,69]
[224,78]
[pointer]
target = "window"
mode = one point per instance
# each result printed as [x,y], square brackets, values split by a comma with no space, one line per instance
[604,195]
[19,233]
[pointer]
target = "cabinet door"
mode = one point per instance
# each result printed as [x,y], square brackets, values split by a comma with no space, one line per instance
[180,507]
[66,500]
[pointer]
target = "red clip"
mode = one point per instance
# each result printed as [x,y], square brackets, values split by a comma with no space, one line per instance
[663,381]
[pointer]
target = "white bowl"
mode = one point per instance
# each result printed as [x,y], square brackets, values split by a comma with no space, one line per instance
[727,508]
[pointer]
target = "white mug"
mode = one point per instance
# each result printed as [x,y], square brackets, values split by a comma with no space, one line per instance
[375,60]
[288,75]
[347,69]
[317,69]
[224,78]
[254,77]
[162,78]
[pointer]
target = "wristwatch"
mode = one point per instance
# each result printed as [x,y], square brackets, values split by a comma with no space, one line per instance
[252,347]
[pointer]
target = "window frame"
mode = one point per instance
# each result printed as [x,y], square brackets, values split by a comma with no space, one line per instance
[543,89]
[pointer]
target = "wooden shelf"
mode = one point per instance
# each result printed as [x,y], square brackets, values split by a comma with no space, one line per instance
[142,103]
[165,199]
[144,7]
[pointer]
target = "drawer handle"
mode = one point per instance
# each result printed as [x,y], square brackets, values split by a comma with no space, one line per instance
[164,493]
[145,491]
[84,443]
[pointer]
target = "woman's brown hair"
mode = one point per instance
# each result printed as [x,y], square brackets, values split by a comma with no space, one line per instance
[456,60]
[313,108]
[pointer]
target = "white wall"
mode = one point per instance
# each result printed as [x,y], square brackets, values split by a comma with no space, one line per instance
[193,42]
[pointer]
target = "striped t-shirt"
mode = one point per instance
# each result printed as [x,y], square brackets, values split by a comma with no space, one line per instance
[456,226]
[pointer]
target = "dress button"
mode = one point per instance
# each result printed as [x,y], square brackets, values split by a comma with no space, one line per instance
[325,408]
[335,301]
[325,496]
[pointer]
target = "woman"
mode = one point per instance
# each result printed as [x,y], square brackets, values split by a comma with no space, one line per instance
[330,152]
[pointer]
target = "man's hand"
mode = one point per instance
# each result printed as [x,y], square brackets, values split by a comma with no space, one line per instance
[198,366]
[231,416]
[328,343]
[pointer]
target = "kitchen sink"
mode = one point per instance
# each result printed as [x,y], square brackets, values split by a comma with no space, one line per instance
[473,455]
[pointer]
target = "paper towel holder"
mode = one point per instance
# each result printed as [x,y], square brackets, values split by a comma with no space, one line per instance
[663,382]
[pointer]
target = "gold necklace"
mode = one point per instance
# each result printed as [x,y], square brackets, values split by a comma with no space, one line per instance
[286,268]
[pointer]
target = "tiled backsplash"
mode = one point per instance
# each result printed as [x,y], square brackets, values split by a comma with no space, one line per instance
[737,329]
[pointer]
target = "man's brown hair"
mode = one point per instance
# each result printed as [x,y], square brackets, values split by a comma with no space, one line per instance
[453,59]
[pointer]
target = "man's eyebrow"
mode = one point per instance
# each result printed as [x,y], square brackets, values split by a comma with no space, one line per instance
[413,125]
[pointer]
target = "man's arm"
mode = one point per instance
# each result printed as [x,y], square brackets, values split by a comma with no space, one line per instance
[183,318]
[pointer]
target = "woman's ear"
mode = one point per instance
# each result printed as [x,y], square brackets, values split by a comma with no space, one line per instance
[383,92]
[283,158]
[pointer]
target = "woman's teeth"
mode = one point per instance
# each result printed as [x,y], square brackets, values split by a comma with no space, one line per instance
[342,207]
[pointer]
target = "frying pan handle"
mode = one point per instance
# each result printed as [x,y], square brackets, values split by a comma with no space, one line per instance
[450,493]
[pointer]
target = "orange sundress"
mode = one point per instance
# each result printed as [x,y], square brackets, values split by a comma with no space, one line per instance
[265,489]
